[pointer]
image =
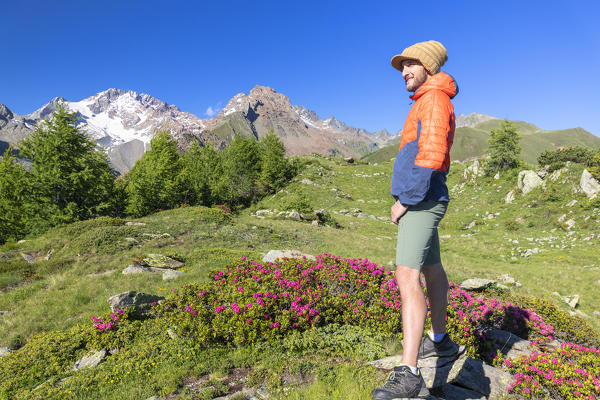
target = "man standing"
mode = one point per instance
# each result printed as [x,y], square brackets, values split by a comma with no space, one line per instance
[419,188]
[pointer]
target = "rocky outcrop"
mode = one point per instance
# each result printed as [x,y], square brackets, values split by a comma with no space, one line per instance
[454,375]
[472,119]
[140,303]
[274,255]
[528,180]
[588,184]
[90,361]
[473,171]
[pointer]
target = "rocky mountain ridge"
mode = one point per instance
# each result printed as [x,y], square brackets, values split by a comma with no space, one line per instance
[124,122]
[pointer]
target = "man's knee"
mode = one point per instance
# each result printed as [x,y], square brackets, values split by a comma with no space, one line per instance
[407,277]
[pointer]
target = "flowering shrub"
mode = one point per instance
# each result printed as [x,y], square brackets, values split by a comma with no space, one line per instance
[470,315]
[568,372]
[112,330]
[327,304]
[29,276]
[567,328]
[109,323]
[250,301]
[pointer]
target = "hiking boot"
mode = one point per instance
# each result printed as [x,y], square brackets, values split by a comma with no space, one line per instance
[444,348]
[401,384]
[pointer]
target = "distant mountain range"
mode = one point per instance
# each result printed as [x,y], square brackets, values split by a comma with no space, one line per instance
[473,131]
[124,122]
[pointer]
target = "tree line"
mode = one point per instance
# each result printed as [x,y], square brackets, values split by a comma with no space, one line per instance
[70,178]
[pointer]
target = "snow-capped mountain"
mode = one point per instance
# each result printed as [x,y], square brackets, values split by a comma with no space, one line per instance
[124,122]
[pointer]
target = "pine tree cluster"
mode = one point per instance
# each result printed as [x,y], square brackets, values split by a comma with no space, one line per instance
[70,178]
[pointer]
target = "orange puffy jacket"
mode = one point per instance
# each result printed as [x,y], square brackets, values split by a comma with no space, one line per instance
[423,157]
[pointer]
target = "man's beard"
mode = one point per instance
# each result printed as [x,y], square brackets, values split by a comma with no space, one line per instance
[413,84]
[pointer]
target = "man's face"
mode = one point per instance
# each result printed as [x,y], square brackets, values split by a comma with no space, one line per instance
[414,74]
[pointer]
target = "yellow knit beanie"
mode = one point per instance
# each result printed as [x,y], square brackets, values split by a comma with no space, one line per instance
[431,54]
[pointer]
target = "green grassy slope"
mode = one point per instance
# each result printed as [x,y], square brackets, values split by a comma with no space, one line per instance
[87,259]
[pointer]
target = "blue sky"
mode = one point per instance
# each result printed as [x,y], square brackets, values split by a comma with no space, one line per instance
[536,61]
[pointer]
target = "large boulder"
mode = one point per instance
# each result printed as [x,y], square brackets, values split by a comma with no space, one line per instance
[477,284]
[160,261]
[140,302]
[528,180]
[274,255]
[509,344]
[479,379]
[589,185]
[90,361]
[510,196]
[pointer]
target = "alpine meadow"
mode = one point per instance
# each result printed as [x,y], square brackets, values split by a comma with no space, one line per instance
[238,272]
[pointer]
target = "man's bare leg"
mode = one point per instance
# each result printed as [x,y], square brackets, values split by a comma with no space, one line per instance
[437,292]
[413,312]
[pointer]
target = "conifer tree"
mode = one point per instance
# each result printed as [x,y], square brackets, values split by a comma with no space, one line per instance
[14,197]
[275,168]
[201,166]
[70,179]
[504,148]
[152,183]
[241,171]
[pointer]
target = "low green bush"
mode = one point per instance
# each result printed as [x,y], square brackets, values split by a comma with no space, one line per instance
[81,227]
[297,201]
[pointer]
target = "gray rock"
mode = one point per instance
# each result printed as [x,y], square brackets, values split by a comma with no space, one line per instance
[571,300]
[28,257]
[142,302]
[497,176]
[476,284]
[528,180]
[529,252]
[274,255]
[387,363]
[90,361]
[471,225]
[306,181]
[473,171]
[160,261]
[588,184]
[4,351]
[457,392]
[2,312]
[362,215]
[134,223]
[506,278]
[570,223]
[294,215]
[485,379]
[130,239]
[263,212]
[137,269]
[572,203]
[171,274]
[510,196]
[508,343]
[262,392]
[556,174]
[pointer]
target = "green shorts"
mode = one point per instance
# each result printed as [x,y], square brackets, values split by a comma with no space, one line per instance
[418,241]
